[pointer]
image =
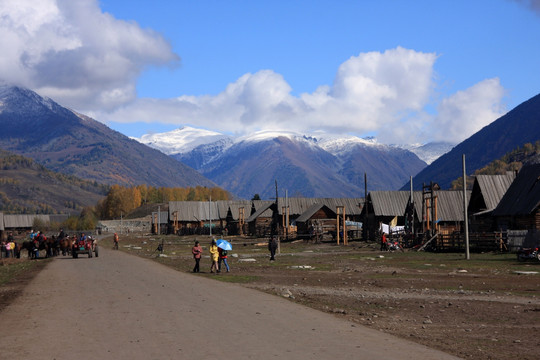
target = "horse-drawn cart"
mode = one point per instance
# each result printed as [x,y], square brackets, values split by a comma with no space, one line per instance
[84,247]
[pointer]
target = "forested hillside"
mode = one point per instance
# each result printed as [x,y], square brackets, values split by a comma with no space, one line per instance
[512,161]
[27,187]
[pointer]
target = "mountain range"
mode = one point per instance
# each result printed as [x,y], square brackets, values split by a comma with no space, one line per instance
[72,143]
[303,165]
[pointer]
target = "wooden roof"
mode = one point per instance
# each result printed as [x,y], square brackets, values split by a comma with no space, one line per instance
[523,196]
[23,220]
[394,203]
[314,209]
[449,204]
[200,210]
[297,206]
[263,211]
[194,210]
[390,203]
[492,188]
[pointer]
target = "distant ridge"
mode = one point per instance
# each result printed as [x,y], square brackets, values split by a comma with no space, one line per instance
[302,165]
[519,126]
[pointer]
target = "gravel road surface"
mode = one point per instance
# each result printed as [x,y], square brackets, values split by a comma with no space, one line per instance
[119,306]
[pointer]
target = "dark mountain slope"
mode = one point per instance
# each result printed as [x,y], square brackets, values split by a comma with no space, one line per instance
[519,126]
[28,187]
[76,144]
[251,168]
[386,170]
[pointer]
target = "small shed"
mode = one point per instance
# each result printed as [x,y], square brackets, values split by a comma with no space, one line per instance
[260,220]
[316,221]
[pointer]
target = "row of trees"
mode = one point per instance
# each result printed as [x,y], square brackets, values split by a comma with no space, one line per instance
[123,200]
[512,161]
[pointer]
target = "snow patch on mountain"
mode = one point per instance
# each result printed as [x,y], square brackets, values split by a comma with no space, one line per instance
[338,145]
[14,95]
[181,140]
[431,151]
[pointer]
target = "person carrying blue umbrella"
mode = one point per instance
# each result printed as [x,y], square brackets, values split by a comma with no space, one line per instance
[223,247]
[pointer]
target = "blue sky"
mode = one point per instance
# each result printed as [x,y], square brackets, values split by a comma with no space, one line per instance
[404,71]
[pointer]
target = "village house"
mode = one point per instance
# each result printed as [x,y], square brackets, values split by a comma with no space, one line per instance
[383,207]
[193,217]
[27,222]
[487,192]
[519,208]
[290,209]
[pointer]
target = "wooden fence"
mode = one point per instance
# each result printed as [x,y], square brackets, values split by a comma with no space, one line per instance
[478,242]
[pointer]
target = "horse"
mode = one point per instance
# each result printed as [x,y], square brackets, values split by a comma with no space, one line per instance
[33,250]
[65,246]
[54,246]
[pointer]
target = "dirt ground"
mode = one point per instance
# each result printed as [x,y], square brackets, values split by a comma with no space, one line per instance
[484,308]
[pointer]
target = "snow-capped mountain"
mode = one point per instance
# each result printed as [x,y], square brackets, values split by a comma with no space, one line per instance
[305,165]
[181,140]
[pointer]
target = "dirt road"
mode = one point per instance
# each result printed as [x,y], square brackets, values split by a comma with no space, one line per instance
[119,306]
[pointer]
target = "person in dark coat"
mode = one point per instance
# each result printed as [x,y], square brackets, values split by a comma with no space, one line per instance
[272,247]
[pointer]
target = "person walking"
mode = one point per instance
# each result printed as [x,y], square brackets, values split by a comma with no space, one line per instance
[272,247]
[214,254]
[197,251]
[384,244]
[10,246]
[115,241]
[223,258]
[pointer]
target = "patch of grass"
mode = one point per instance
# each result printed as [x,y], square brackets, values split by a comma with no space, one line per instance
[239,279]
[9,270]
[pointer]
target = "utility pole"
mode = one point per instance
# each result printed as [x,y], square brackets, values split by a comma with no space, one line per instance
[412,208]
[465,215]
[365,224]
[286,214]
[277,222]
[210,212]
[159,220]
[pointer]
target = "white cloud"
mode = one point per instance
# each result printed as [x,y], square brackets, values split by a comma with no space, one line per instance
[371,91]
[468,111]
[74,53]
[86,59]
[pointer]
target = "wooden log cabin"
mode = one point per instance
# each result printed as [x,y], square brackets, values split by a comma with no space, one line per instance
[519,208]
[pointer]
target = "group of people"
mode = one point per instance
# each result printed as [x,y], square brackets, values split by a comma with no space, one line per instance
[9,246]
[217,254]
